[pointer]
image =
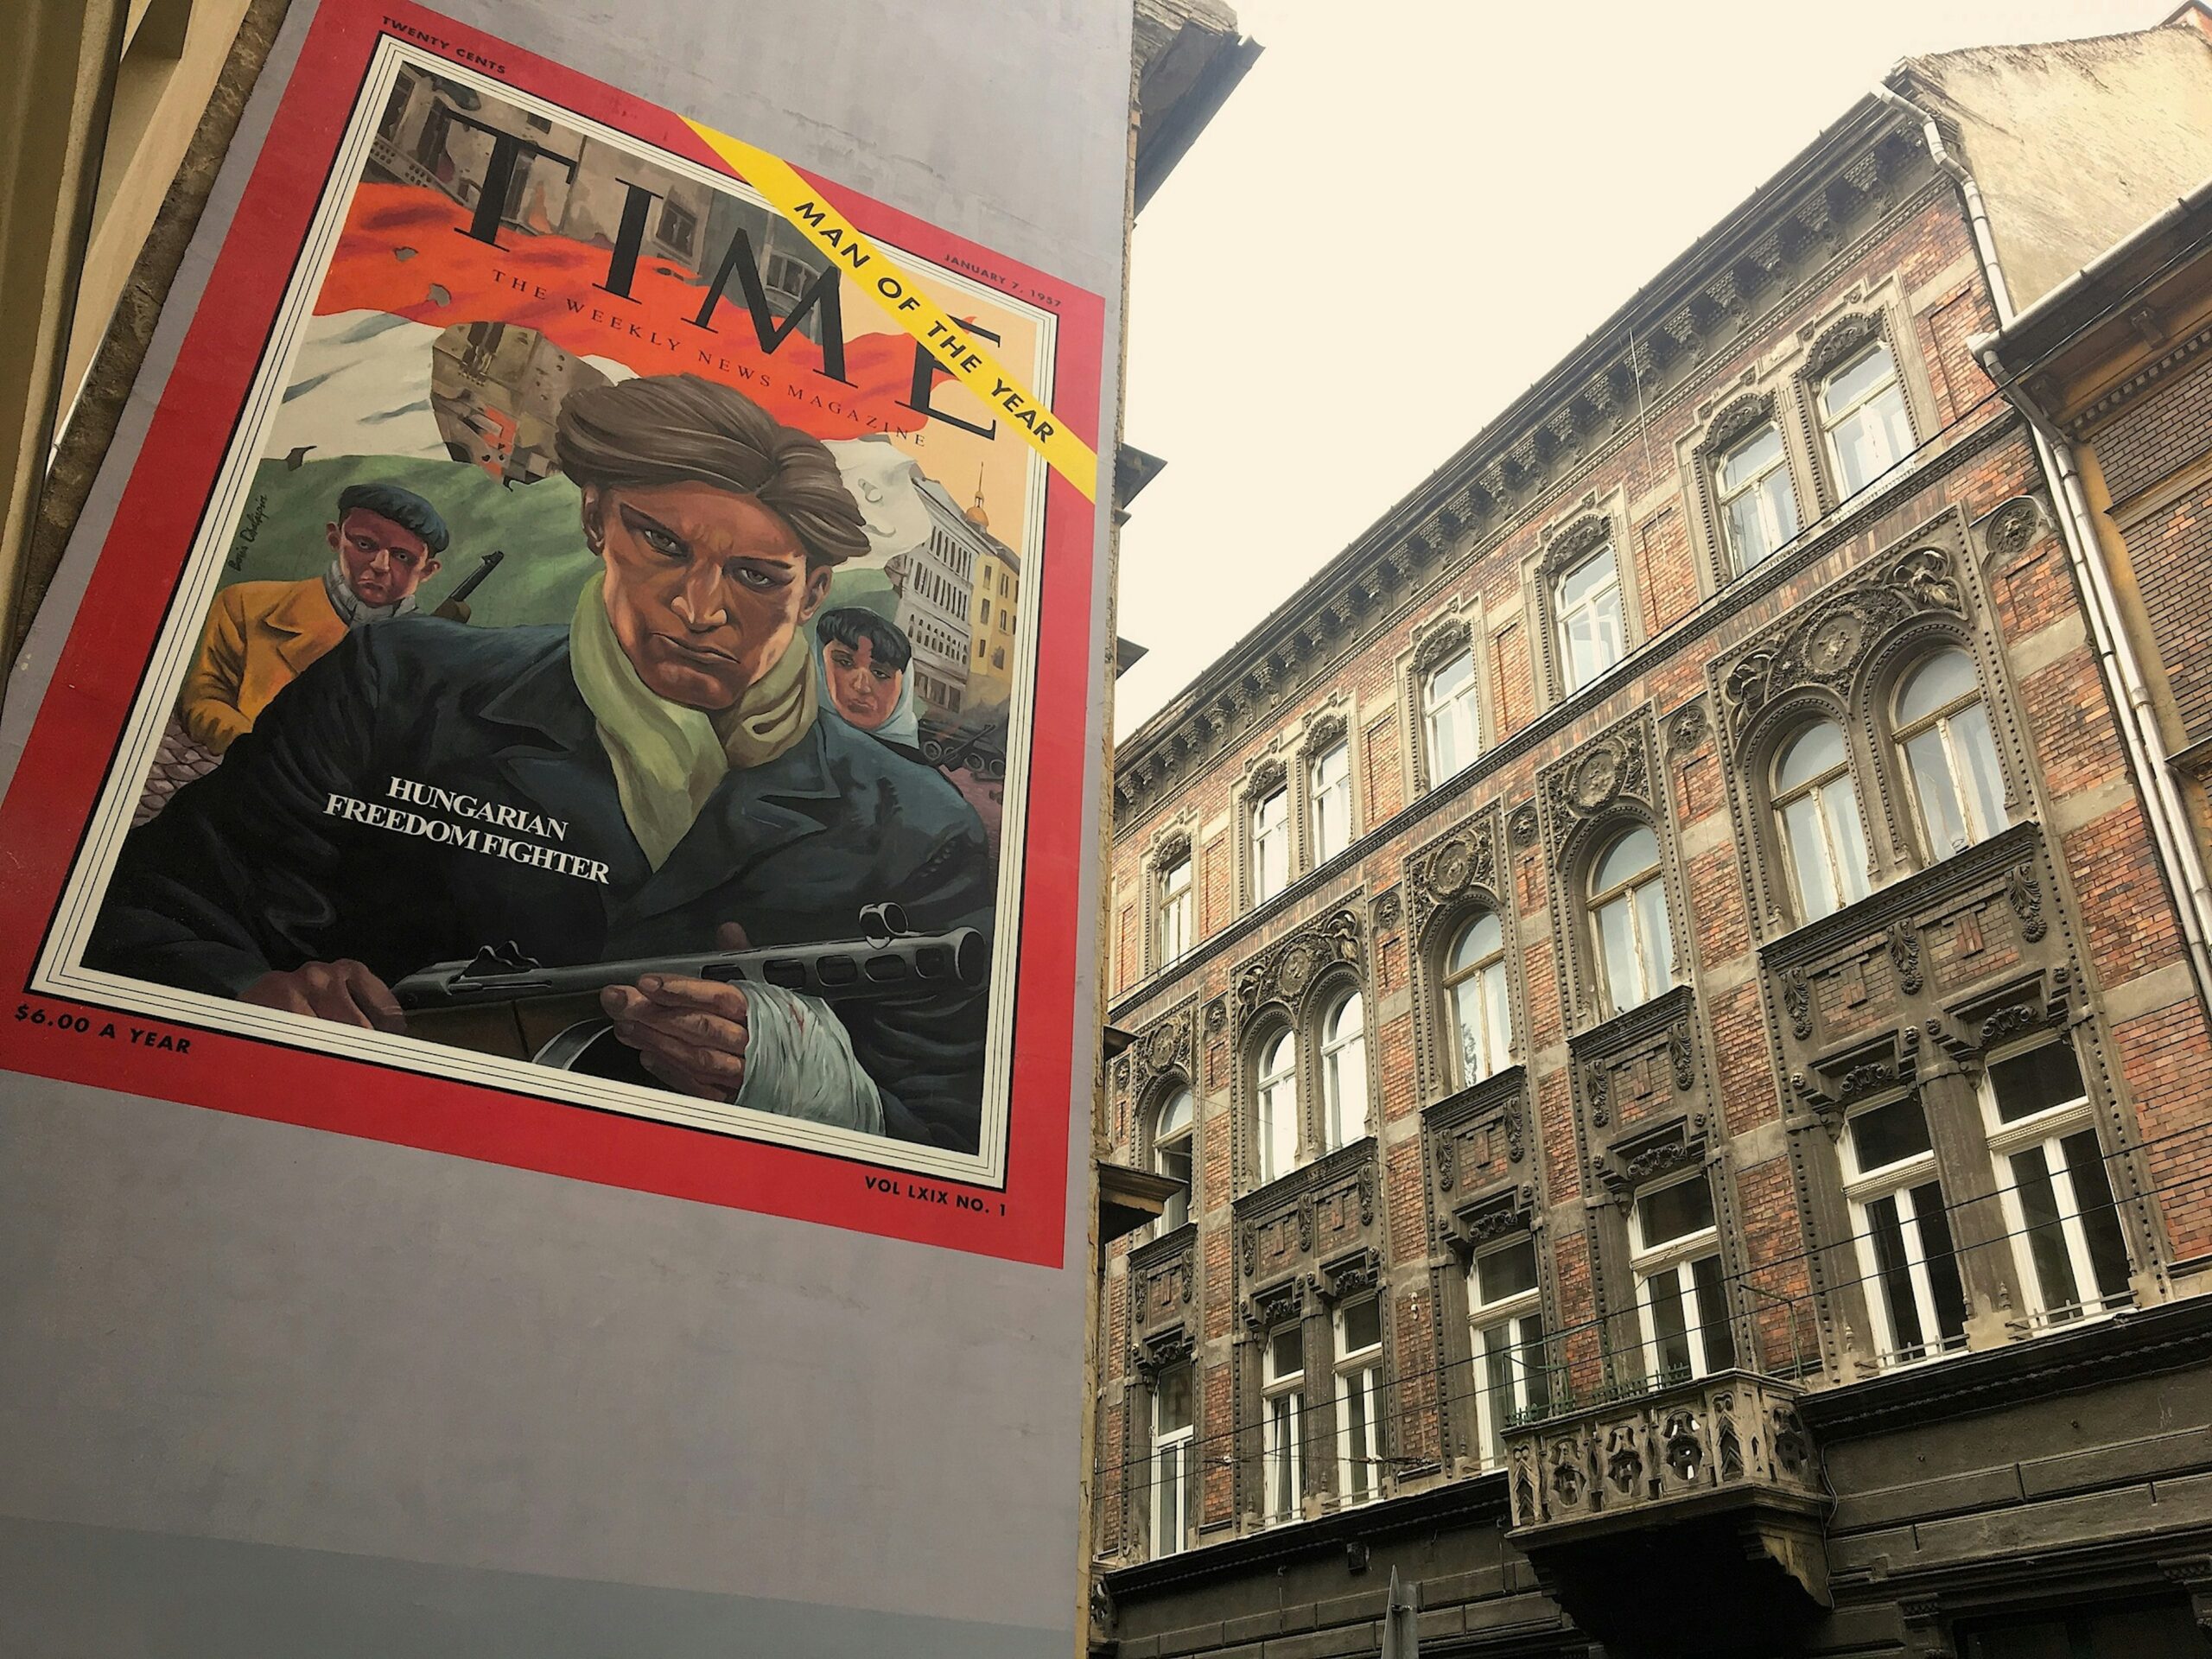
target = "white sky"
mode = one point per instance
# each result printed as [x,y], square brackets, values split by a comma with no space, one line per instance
[1411,209]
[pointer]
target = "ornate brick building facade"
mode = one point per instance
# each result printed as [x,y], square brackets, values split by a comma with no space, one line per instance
[1673,1001]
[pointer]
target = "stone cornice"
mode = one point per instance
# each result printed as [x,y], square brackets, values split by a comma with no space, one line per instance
[1743,592]
[1868,172]
[1902,896]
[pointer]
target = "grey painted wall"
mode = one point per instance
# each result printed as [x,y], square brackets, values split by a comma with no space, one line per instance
[267,1390]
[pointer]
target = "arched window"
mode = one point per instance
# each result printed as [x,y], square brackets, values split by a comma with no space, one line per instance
[1628,918]
[1817,805]
[1448,723]
[1863,418]
[1758,507]
[1171,1155]
[1942,731]
[1344,1072]
[1278,1106]
[1479,1004]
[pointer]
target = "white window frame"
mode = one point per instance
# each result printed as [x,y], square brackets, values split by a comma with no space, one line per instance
[1270,831]
[1344,1072]
[1865,1187]
[1332,797]
[1848,879]
[1274,1107]
[1755,486]
[1493,1051]
[1461,711]
[1963,796]
[1171,1534]
[1592,604]
[1175,910]
[1677,1258]
[2046,1130]
[1831,423]
[1283,1429]
[1650,982]
[1512,1316]
[1359,1377]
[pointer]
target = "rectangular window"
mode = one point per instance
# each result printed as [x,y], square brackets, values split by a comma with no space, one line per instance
[1359,1400]
[1902,1232]
[1282,1408]
[1173,1477]
[1758,507]
[1175,908]
[678,226]
[1331,785]
[1681,1301]
[1450,728]
[1863,417]
[1270,845]
[1591,618]
[1510,1381]
[2054,1184]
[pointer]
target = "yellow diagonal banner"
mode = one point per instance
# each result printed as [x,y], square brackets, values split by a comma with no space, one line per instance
[950,343]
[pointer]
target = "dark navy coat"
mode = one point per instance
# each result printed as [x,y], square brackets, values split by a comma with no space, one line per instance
[247,872]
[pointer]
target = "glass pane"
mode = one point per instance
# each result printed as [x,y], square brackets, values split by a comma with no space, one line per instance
[2085,1165]
[1174,1116]
[1481,938]
[1669,1324]
[1673,1212]
[1749,458]
[1942,1267]
[1172,1400]
[1612,631]
[1498,1366]
[1943,679]
[1840,800]
[1467,1019]
[1347,1089]
[1616,940]
[1345,1020]
[1285,1353]
[1498,1004]
[1362,1325]
[1631,855]
[2046,1239]
[1940,816]
[1712,1313]
[1449,680]
[1809,859]
[1976,754]
[1855,378]
[2036,1082]
[1813,752]
[1358,1446]
[1168,1501]
[1584,664]
[1577,584]
[1535,1382]
[1502,1273]
[1892,1277]
[1888,1135]
[1657,938]
[1175,1163]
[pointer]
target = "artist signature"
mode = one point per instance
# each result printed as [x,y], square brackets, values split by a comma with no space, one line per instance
[248,528]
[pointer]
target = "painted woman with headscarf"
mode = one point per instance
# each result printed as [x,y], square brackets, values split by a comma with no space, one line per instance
[669,749]
[867,670]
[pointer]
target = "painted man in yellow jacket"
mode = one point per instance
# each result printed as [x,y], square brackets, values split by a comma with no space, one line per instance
[261,635]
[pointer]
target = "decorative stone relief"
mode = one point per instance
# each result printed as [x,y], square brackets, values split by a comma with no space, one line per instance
[1463,861]
[1282,973]
[1686,729]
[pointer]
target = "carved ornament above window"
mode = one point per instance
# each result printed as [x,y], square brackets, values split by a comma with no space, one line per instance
[1286,971]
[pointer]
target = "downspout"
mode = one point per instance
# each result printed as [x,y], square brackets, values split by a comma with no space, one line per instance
[2167,814]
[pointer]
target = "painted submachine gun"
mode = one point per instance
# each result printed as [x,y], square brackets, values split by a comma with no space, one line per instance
[500,1001]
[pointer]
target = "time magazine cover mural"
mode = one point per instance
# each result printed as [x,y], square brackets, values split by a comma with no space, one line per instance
[605,670]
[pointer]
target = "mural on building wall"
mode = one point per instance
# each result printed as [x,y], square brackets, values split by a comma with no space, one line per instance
[606,667]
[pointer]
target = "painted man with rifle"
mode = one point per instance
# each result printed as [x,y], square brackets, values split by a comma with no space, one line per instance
[664,763]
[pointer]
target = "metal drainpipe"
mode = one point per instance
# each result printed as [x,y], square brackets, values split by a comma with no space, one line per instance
[2168,814]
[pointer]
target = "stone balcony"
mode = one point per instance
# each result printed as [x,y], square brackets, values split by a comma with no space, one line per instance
[1712,1481]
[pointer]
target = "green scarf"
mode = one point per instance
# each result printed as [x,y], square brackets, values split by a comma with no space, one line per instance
[667,757]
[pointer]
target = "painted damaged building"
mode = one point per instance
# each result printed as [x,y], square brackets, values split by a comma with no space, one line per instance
[1665,1097]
